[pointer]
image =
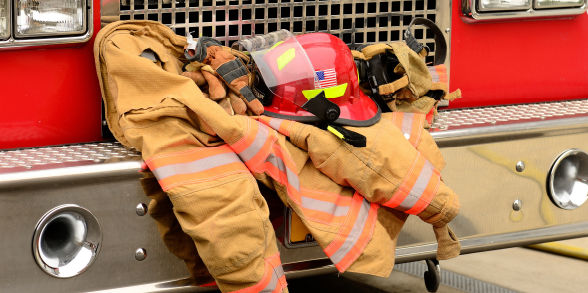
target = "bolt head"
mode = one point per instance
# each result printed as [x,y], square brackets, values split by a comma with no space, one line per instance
[141,209]
[520,167]
[140,254]
[517,205]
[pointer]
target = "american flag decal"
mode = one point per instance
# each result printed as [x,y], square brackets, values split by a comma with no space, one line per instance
[325,78]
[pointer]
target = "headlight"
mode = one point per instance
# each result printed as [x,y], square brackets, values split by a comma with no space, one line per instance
[568,179]
[558,3]
[50,17]
[4,13]
[492,5]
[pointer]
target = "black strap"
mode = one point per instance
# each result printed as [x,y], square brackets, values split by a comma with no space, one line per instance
[440,43]
[351,137]
[322,108]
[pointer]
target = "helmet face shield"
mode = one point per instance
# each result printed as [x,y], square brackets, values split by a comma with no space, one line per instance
[283,65]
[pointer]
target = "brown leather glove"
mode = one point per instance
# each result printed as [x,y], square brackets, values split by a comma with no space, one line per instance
[229,68]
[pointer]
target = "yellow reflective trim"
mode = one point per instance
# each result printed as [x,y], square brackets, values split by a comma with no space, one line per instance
[285,58]
[275,45]
[330,92]
[335,132]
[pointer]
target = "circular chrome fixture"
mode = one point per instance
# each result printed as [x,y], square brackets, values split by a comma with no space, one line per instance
[568,179]
[66,241]
[140,254]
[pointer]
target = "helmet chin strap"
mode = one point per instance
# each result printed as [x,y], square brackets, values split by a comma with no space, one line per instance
[328,112]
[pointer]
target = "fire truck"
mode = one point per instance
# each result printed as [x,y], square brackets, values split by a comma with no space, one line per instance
[73,216]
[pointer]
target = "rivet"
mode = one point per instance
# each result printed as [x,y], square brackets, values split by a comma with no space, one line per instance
[140,254]
[520,166]
[448,30]
[141,209]
[517,205]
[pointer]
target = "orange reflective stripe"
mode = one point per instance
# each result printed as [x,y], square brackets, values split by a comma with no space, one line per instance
[324,207]
[281,125]
[356,215]
[192,166]
[273,280]
[417,189]
[353,237]
[438,73]
[364,238]
[411,125]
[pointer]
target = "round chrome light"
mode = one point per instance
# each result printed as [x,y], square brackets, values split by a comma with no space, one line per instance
[66,241]
[568,179]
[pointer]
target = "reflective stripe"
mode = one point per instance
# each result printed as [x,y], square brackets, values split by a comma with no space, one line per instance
[273,280]
[411,125]
[407,125]
[195,166]
[255,146]
[419,187]
[275,123]
[438,73]
[291,177]
[324,206]
[353,234]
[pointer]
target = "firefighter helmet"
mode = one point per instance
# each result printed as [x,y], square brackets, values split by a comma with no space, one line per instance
[301,68]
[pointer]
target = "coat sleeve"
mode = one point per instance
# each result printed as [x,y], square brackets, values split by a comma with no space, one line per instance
[389,171]
[215,199]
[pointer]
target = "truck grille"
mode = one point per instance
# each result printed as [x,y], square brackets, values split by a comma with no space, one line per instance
[355,22]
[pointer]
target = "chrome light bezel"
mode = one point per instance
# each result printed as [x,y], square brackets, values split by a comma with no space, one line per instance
[472,13]
[17,35]
[513,8]
[8,19]
[537,5]
[53,39]
[554,182]
[73,258]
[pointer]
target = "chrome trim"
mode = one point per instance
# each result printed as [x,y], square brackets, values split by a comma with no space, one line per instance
[13,42]
[498,241]
[70,255]
[519,7]
[555,5]
[471,13]
[8,21]
[556,183]
[75,171]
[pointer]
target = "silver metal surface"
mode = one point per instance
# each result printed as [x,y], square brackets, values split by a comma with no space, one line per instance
[539,4]
[140,254]
[517,205]
[52,40]
[472,13]
[464,126]
[520,167]
[66,241]
[568,179]
[141,209]
[354,21]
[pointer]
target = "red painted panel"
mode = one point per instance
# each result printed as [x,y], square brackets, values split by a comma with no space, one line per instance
[49,96]
[519,61]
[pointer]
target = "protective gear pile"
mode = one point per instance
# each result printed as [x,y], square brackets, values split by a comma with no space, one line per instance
[208,162]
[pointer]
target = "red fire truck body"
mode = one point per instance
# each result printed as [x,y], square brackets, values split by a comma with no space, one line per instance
[523,75]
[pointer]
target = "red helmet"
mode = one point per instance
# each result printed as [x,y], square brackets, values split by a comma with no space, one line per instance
[333,72]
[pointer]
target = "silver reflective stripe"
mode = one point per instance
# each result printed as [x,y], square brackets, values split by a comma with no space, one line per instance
[275,123]
[353,234]
[434,74]
[419,187]
[324,206]
[276,275]
[195,166]
[407,124]
[291,176]
[260,138]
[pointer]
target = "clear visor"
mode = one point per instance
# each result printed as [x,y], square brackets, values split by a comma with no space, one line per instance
[283,64]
